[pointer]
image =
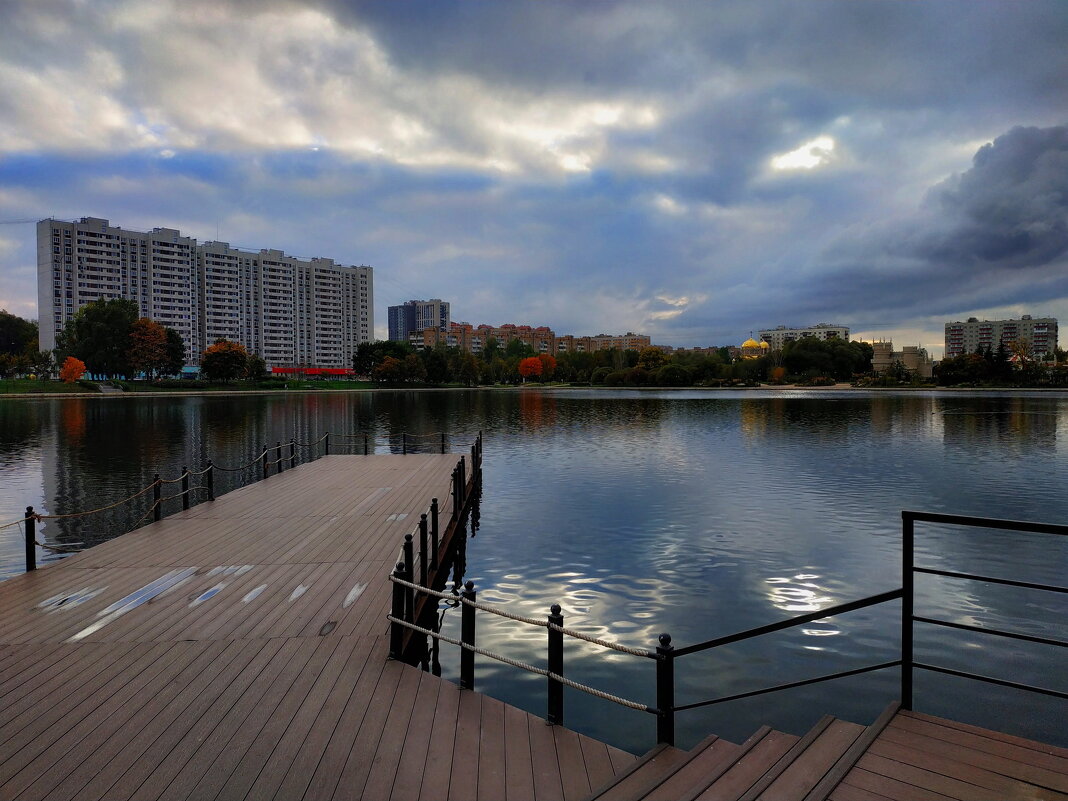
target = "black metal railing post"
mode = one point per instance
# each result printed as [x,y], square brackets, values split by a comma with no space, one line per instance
[157,502]
[292,452]
[665,691]
[555,714]
[434,533]
[185,487]
[422,551]
[908,585]
[404,442]
[443,442]
[455,497]
[31,539]
[210,478]
[278,456]
[263,456]
[409,576]
[463,482]
[326,444]
[396,630]
[467,636]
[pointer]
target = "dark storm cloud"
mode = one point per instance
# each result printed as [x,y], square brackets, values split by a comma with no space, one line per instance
[996,234]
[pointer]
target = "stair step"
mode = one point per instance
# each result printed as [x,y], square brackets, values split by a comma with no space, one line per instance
[657,762]
[704,759]
[750,767]
[810,766]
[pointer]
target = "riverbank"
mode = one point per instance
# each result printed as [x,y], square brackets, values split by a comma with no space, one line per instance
[238,392]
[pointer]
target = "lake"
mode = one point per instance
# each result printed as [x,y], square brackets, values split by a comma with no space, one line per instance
[698,513]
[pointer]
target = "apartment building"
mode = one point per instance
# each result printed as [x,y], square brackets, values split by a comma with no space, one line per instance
[417,316]
[780,335]
[292,312]
[541,338]
[78,262]
[1040,333]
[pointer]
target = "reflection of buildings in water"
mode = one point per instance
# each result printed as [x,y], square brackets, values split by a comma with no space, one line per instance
[754,415]
[1012,425]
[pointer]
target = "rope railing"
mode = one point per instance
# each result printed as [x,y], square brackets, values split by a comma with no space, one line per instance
[155,509]
[524,666]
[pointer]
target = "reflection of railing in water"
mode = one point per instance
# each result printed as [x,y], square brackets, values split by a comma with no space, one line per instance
[403,617]
[408,443]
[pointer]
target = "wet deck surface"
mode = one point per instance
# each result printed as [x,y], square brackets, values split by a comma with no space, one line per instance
[238,650]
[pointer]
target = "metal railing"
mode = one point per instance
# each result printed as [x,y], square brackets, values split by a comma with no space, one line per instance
[285,456]
[665,708]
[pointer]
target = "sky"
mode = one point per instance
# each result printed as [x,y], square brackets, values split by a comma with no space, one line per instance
[690,170]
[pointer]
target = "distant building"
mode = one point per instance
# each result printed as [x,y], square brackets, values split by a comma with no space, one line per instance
[780,335]
[290,311]
[751,349]
[912,357]
[1040,333]
[541,338]
[416,316]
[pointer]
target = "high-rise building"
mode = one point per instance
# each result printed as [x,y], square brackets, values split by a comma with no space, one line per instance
[418,315]
[780,335]
[292,312]
[1039,333]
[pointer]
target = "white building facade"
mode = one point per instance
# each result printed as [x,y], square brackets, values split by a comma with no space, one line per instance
[1039,334]
[780,335]
[292,312]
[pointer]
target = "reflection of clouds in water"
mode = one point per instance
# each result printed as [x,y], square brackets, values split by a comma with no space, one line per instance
[797,594]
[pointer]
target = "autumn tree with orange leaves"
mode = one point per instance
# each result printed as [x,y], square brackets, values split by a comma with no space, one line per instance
[148,347]
[72,370]
[548,366]
[224,361]
[530,366]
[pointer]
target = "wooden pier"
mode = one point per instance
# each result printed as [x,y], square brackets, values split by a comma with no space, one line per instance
[239,650]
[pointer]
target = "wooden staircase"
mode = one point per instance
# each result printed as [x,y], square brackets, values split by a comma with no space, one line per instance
[769,766]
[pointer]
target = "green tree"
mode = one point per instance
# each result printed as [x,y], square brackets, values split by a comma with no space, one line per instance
[99,335]
[468,372]
[491,349]
[224,361]
[651,359]
[370,355]
[17,335]
[517,347]
[257,367]
[414,369]
[436,362]
[174,353]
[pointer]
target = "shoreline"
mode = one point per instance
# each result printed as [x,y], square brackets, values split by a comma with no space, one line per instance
[519,387]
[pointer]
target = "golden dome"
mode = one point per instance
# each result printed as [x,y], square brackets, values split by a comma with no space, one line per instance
[752,343]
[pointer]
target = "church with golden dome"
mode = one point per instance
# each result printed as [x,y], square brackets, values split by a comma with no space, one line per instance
[751,349]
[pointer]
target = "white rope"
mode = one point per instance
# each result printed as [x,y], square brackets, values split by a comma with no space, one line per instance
[524,666]
[545,624]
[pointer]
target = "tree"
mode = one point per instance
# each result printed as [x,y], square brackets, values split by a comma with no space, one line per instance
[99,335]
[491,349]
[530,366]
[389,371]
[257,367]
[371,354]
[174,359]
[517,347]
[436,362]
[73,369]
[17,335]
[224,361]
[468,372]
[414,370]
[651,359]
[148,347]
[548,366]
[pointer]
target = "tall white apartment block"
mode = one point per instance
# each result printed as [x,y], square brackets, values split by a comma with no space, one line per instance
[292,312]
[82,261]
[780,335]
[1040,333]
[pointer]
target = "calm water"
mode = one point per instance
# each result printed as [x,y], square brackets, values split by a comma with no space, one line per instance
[694,513]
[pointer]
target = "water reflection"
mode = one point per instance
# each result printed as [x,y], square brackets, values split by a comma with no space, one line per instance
[696,513]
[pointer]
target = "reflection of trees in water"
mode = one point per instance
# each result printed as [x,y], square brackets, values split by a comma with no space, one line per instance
[20,427]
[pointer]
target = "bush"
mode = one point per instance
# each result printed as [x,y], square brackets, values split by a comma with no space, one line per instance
[636,377]
[598,376]
[614,378]
[672,375]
